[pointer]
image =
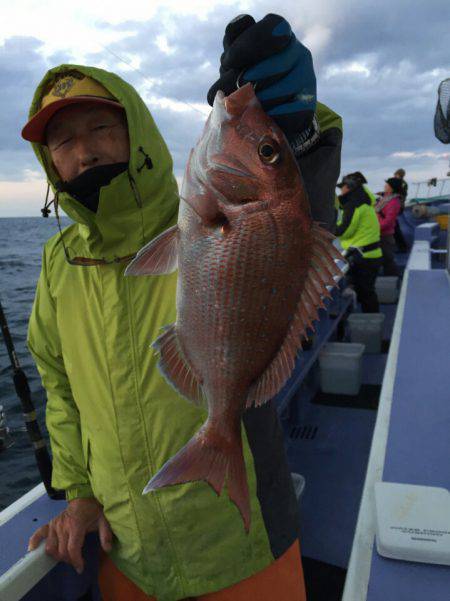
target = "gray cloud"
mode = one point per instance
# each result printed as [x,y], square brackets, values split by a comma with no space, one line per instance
[21,68]
[180,130]
[395,31]
[386,110]
[378,66]
[191,67]
[19,60]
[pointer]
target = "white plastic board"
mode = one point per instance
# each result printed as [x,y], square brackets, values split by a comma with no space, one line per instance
[413,522]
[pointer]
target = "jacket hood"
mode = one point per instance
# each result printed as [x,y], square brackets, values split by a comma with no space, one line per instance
[358,197]
[137,204]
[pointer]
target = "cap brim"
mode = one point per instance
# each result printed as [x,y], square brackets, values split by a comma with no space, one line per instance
[34,130]
[341,185]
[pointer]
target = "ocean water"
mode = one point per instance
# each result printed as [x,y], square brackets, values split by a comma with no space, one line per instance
[21,244]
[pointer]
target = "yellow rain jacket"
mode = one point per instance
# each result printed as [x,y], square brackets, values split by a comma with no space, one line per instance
[112,418]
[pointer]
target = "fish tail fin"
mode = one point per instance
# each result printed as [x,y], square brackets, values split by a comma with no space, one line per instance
[214,463]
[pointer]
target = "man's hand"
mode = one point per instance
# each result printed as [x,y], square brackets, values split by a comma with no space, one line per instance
[268,54]
[66,532]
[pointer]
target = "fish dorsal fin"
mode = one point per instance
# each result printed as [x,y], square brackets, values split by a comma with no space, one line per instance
[320,275]
[175,367]
[158,257]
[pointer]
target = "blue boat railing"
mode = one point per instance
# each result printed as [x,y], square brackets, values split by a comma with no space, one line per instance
[407,412]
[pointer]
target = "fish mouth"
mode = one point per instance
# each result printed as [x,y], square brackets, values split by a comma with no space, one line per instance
[247,207]
[232,170]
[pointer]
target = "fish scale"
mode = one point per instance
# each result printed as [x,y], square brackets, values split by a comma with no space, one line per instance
[252,271]
[229,298]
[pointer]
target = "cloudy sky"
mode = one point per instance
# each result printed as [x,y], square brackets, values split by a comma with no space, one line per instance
[378,64]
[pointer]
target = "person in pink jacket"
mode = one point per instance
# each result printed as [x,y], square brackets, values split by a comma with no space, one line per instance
[388,207]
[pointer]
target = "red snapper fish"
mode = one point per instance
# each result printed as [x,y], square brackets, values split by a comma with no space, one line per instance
[252,270]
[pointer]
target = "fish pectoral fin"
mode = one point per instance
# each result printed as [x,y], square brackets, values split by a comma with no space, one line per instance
[175,367]
[158,257]
[321,273]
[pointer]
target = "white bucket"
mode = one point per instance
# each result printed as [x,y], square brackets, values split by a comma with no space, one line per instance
[386,288]
[341,367]
[367,329]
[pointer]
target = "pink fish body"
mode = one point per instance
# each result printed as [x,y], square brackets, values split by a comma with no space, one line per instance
[253,268]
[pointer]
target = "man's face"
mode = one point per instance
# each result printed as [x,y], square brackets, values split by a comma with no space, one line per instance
[345,190]
[82,136]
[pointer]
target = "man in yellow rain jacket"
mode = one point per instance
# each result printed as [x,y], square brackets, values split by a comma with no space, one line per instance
[113,420]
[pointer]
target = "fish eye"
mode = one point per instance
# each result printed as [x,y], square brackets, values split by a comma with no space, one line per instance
[269,152]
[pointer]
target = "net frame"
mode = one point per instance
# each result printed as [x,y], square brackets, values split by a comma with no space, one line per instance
[442,114]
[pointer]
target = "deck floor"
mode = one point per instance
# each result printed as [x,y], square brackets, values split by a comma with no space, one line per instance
[330,445]
[418,445]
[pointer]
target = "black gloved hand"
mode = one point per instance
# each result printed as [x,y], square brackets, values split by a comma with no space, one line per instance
[269,55]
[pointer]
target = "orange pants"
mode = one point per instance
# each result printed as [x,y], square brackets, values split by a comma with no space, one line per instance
[281,581]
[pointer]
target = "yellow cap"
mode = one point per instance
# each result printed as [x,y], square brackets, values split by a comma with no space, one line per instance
[69,88]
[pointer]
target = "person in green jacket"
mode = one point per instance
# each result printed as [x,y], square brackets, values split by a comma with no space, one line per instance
[113,420]
[359,233]
[357,175]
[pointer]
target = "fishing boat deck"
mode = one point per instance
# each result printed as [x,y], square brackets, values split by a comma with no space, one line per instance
[411,442]
[341,445]
[328,439]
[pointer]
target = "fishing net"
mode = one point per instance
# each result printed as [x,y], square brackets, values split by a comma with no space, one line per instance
[442,114]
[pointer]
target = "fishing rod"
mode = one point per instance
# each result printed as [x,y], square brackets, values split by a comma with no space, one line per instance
[44,463]
[145,78]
